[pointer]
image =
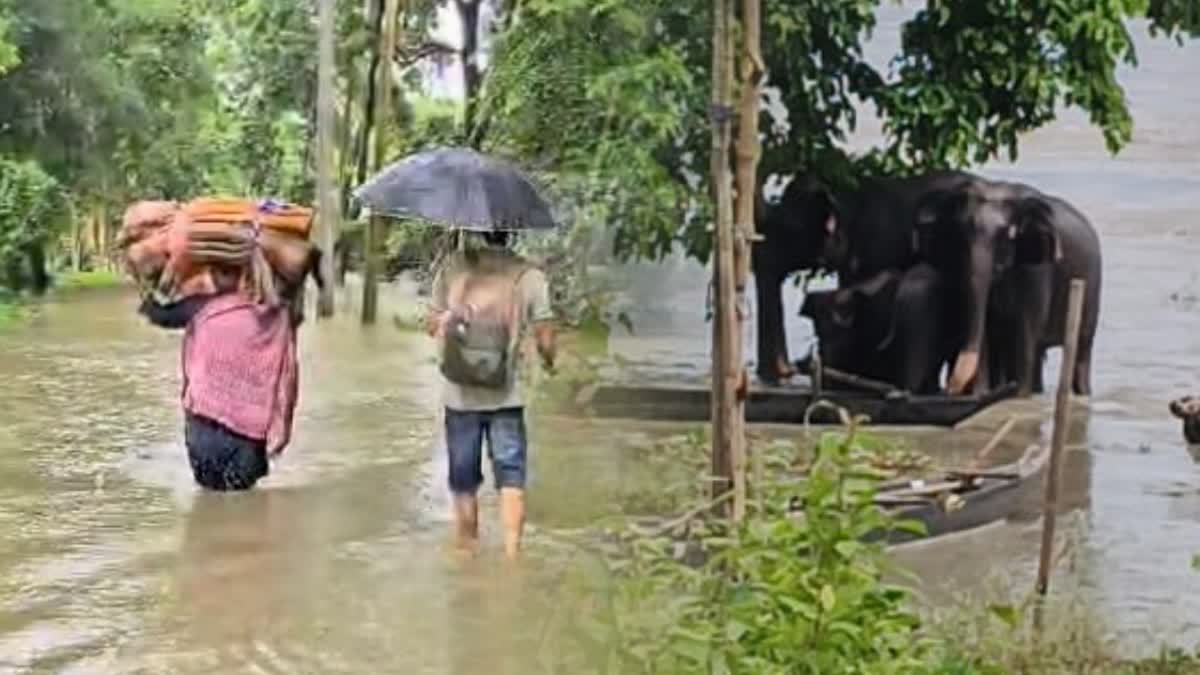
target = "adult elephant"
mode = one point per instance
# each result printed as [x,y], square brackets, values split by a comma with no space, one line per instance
[856,233]
[1012,250]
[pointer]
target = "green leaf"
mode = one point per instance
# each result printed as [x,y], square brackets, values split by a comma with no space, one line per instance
[828,598]
[1007,614]
[913,526]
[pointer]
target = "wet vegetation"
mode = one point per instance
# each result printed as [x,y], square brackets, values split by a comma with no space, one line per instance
[101,103]
[782,593]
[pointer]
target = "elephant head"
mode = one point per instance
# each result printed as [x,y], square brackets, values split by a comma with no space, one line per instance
[856,324]
[977,234]
[799,232]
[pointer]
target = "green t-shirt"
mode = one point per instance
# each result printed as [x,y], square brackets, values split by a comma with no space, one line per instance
[532,295]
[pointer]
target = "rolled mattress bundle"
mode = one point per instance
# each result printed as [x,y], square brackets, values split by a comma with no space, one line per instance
[177,250]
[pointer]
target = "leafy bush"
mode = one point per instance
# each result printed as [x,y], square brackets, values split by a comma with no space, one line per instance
[30,203]
[780,593]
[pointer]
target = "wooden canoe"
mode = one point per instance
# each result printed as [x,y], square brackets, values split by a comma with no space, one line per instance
[784,404]
[957,501]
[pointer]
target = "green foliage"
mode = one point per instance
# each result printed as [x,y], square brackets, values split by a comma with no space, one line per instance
[617,93]
[30,210]
[781,593]
[582,292]
[593,92]
[976,76]
[8,52]
[97,85]
[266,54]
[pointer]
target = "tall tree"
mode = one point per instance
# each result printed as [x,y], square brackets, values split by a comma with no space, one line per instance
[328,203]
[610,92]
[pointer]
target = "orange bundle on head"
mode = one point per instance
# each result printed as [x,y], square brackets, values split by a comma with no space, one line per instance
[174,250]
[142,218]
[285,218]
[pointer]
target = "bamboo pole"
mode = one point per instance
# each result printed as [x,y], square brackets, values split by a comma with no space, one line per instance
[1062,400]
[747,155]
[724,378]
[328,200]
[383,99]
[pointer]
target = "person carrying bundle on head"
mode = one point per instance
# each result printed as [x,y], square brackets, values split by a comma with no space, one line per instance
[239,353]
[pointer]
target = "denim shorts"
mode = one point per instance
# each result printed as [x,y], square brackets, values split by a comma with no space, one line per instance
[507,443]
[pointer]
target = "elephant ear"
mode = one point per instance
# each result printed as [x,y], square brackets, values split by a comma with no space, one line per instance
[1035,236]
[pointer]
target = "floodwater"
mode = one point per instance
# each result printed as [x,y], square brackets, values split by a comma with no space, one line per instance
[114,562]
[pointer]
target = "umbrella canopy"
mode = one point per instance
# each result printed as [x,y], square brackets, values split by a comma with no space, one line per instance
[459,188]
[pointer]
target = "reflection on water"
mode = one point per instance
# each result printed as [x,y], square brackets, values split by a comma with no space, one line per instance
[113,563]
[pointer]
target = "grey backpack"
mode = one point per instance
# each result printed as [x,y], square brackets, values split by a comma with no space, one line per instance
[478,340]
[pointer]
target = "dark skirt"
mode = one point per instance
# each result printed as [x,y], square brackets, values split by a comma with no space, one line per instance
[222,459]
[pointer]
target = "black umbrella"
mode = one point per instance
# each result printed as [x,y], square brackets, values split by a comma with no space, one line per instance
[459,188]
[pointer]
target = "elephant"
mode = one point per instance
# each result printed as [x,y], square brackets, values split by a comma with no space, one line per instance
[890,327]
[856,233]
[1010,251]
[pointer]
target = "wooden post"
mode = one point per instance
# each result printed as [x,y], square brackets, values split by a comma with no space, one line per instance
[747,153]
[1058,438]
[328,201]
[383,99]
[724,378]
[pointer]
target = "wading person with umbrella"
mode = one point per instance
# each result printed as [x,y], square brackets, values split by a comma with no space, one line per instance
[486,301]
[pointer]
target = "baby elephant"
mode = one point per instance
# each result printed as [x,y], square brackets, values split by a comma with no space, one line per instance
[1187,409]
[890,327]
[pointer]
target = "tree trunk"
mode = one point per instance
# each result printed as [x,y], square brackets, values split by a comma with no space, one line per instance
[383,99]
[327,197]
[362,147]
[726,429]
[347,143]
[76,239]
[747,198]
[468,14]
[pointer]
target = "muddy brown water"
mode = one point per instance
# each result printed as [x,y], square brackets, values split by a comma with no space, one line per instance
[113,562]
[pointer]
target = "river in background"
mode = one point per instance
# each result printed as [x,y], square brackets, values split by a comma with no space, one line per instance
[113,562]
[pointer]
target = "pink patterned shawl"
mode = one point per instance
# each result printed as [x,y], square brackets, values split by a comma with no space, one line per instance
[240,368]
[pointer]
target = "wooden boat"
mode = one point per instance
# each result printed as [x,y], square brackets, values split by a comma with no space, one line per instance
[957,501]
[785,404]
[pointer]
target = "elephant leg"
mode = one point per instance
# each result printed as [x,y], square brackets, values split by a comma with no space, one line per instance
[1029,306]
[1023,359]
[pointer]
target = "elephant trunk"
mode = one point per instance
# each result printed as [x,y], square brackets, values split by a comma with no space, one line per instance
[975,298]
